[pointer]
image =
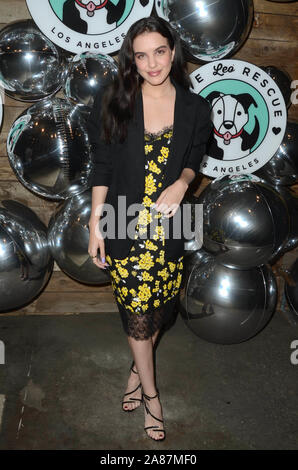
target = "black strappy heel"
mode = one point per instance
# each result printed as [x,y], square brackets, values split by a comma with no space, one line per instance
[131,399]
[154,428]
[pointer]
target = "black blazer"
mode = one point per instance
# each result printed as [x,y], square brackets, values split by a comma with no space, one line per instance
[121,167]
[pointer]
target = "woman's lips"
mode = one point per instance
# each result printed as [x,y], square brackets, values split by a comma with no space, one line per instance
[154,74]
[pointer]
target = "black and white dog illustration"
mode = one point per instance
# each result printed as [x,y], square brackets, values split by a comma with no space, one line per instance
[230,114]
[94,16]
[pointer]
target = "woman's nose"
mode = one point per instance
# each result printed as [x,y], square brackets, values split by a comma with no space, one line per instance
[152,61]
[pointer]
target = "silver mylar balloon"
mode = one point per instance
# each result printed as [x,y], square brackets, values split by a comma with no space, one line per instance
[68,236]
[25,259]
[87,75]
[190,246]
[245,223]
[291,200]
[195,258]
[282,168]
[282,80]
[211,29]
[291,288]
[196,242]
[31,66]
[227,306]
[48,148]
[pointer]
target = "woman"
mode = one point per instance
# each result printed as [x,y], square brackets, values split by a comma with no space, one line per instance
[149,135]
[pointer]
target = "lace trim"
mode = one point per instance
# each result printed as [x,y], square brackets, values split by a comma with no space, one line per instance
[160,132]
[142,326]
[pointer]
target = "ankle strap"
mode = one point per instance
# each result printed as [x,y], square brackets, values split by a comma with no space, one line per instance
[131,367]
[149,398]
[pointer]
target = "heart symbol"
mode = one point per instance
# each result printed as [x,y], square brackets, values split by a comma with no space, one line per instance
[276,130]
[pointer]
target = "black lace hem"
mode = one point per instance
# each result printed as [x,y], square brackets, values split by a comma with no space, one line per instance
[143,326]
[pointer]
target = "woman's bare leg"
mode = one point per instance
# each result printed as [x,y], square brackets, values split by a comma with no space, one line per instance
[154,338]
[134,380]
[142,351]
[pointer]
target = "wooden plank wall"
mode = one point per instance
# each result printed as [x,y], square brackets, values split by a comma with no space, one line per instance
[272,41]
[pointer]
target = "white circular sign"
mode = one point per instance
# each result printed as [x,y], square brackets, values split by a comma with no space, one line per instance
[249,116]
[88,25]
[160,9]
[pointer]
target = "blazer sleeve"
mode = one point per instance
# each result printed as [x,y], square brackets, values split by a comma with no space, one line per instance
[101,152]
[202,132]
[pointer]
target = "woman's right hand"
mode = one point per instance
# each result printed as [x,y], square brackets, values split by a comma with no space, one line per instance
[96,242]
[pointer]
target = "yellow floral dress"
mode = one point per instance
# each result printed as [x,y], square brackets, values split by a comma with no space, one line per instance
[145,286]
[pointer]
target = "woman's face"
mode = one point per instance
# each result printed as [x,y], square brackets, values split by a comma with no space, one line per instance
[153,57]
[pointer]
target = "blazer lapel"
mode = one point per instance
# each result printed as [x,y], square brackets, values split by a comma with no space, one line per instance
[138,144]
[182,129]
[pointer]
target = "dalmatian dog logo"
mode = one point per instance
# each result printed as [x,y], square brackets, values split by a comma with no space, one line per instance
[230,115]
[88,25]
[84,16]
[248,113]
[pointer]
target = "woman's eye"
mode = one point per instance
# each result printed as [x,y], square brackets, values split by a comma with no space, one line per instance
[140,56]
[161,51]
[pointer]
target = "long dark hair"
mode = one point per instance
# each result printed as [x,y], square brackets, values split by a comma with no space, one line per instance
[119,97]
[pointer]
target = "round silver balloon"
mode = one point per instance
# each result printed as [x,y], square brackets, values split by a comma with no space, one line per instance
[196,225]
[291,288]
[49,151]
[283,81]
[291,200]
[282,168]
[195,258]
[68,237]
[190,246]
[211,30]
[25,259]
[246,222]
[87,75]
[227,306]
[31,66]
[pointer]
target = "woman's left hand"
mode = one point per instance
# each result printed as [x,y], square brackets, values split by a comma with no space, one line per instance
[170,198]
